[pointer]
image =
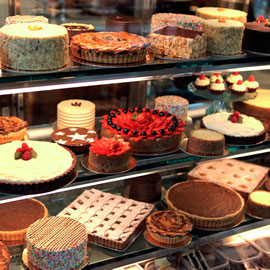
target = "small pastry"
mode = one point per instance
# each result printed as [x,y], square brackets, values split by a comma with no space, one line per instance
[202,82]
[239,88]
[215,76]
[234,78]
[251,84]
[217,88]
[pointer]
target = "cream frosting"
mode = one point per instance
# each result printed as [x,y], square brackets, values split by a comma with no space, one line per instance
[217,86]
[219,122]
[239,87]
[213,78]
[227,24]
[234,78]
[252,84]
[203,82]
[52,161]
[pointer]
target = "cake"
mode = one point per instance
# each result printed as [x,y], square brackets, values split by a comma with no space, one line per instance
[207,204]
[77,139]
[241,176]
[238,88]
[109,155]
[78,28]
[168,227]
[148,131]
[110,220]
[202,82]
[109,47]
[205,142]
[255,35]
[217,88]
[35,166]
[234,78]
[145,188]
[251,84]
[221,13]
[258,204]
[5,258]
[224,37]
[33,46]
[12,128]
[76,113]
[16,217]
[258,107]
[241,129]
[123,23]
[161,20]
[175,105]
[216,76]
[25,19]
[176,42]
[56,243]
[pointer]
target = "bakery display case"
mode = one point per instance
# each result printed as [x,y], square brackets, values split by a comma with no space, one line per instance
[121,90]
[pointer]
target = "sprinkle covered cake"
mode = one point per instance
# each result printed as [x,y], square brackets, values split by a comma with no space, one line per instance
[34,46]
[148,131]
[56,243]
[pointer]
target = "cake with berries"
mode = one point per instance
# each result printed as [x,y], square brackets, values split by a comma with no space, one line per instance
[255,35]
[12,128]
[202,82]
[238,88]
[5,257]
[35,166]
[217,88]
[77,139]
[148,131]
[237,128]
[234,78]
[109,155]
[251,84]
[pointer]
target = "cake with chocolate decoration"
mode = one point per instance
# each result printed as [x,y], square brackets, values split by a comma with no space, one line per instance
[78,28]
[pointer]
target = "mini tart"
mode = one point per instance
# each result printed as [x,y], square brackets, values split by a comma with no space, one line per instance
[78,28]
[202,82]
[234,78]
[5,258]
[109,47]
[217,87]
[258,204]
[168,227]
[251,84]
[16,217]
[238,89]
[12,128]
[207,204]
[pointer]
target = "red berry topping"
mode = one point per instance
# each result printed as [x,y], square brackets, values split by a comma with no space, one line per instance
[235,73]
[216,74]
[240,82]
[218,81]
[236,113]
[251,78]
[19,150]
[202,77]
[25,147]
[261,19]
[234,119]
[26,155]
[30,149]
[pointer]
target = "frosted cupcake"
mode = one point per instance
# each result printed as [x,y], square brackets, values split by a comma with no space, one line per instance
[202,82]
[234,78]
[238,88]
[217,88]
[251,84]
[216,76]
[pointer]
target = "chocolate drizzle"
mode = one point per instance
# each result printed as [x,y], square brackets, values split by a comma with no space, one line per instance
[177,31]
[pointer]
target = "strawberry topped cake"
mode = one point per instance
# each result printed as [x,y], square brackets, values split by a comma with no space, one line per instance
[109,155]
[149,131]
[217,87]
[202,82]
[238,88]
[251,84]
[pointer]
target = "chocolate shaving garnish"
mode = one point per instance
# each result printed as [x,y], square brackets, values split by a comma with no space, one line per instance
[76,104]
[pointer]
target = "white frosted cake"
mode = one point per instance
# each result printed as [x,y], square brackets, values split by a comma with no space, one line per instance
[33,46]
[76,113]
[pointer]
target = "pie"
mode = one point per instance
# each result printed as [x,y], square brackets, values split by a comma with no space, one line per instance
[207,204]
[4,257]
[109,47]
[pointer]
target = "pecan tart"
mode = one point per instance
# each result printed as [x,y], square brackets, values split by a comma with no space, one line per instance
[4,257]
[12,128]
[207,204]
[109,47]
[168,227]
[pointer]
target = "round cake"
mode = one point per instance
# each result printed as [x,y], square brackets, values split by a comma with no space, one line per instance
[207,204]
[148,131]
[35,166]
[34,46]
[258,204]
[206,142]
[109,47]
[76,139]
[12,128]
[16,217]
[221,13]
[168,227]
[61,238]
[109,155]
[76,113]
[25,19]
[5,258]
[237,129]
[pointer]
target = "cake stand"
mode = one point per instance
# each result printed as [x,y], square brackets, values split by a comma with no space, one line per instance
[220,102]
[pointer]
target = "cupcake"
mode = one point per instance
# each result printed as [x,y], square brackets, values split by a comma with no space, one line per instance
[234,78]
[217,87]
[251,84]
[238,88]
[216,76]
[202,82]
